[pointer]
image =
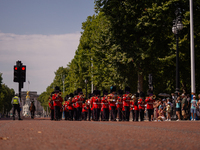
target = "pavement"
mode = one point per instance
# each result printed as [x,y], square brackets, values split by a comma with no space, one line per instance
[45,134]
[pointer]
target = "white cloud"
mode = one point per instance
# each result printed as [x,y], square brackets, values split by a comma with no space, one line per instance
[42,55]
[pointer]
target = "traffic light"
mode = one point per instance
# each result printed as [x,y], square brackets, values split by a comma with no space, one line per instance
[23,73]
[16,73]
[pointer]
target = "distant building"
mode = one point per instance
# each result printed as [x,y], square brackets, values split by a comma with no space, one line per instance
[26,98]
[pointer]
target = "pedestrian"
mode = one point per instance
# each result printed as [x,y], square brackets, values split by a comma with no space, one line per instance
[178,108]
[184,106]
[161,116]
[193,108]
[16,106]
[32,110]
[168,110]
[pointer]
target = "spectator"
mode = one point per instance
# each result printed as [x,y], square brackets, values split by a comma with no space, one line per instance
[161,116]
[198,107]
[184,106]
[168,110]
[178,108]
[193,108]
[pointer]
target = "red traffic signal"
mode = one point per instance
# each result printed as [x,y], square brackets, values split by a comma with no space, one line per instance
[15,68]
[23,68]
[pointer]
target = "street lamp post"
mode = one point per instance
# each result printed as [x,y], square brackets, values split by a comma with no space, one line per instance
[177,26]
[86,81]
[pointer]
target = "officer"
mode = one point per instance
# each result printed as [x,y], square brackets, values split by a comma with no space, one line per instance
[16,106]
[57,99]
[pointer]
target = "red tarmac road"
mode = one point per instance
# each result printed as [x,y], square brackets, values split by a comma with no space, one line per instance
[45,134]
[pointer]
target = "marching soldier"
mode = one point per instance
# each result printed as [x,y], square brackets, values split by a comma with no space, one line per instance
[51,106]
[136,108]
[79,101]
[70,106]
[16,106]
[88,102]
[97,104]
[74,106]
[126,102]
[120,104]
[141,103]
[85,110]
[112,102]
[149,100]
[66,111]
[57,101]
[105,106]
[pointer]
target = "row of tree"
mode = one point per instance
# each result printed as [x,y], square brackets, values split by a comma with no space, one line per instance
[6,95]
[127,40]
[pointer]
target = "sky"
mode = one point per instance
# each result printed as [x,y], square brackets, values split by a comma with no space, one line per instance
[43,35]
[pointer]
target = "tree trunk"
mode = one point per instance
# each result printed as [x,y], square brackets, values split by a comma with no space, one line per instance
[140,82]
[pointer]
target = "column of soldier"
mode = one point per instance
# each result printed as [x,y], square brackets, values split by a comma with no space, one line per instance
[114,106]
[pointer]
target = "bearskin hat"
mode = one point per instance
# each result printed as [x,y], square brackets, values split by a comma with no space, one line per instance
[127,89]
[142,94]
[66,97]
[79,90]
[137,94]
[95,92]
[105,92]
[112,89]
[71,95]
[98,92]
[90,95]
[75,93]
[57,89]
[52,93]
[120,92]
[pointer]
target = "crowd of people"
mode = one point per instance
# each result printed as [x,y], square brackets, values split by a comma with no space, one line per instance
[121,105]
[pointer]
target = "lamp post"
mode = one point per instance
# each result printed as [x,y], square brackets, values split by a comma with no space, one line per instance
[86,81]
[177,27]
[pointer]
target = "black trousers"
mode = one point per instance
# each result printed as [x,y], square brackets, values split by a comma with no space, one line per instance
[113,113]
[52,114]
[32,114]
[89,114]
[106,114]
[57,112]
[85,115]
[123,116]
[75,114]
[79,111]
[136,115]
[97,113]
[71,114]
[16,107]
[133,115]
[66,115]
[141,115]
[127,112]
[150,112]
[120,114]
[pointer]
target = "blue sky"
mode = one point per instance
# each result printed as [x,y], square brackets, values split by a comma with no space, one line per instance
[43,34]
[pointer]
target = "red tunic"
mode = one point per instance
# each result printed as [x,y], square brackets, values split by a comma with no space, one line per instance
[141,104]
[104,103]
[70,106]
[97,102]
[112,101]
[84,108]
[65,106]
[120,102]
[126,100]
[51,105]
[132,106]
[79,100]
[149,101]
[57,100]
